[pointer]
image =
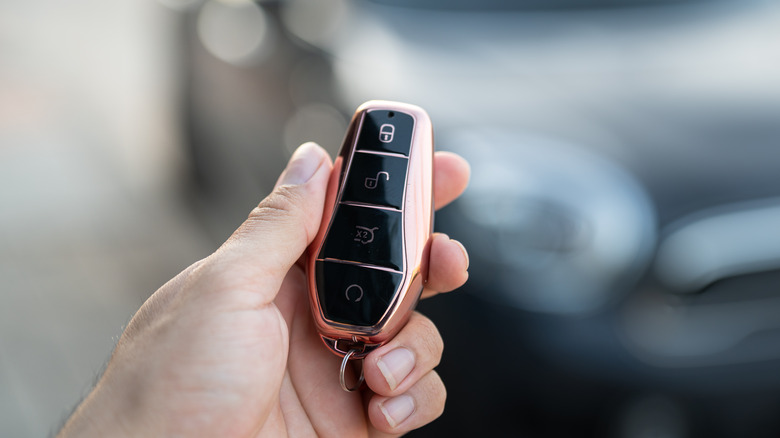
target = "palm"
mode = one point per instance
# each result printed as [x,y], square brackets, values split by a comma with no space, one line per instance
[311,398]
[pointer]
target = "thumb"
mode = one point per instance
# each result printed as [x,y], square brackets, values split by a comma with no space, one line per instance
[278,230]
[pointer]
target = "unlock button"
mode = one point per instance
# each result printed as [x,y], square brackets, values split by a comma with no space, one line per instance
[376,179]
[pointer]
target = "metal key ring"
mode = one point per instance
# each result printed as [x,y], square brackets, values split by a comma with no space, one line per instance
[342,378]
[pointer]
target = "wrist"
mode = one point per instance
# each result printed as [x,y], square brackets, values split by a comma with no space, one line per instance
[103,413]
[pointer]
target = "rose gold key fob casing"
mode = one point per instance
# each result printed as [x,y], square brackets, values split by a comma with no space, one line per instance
[368,263]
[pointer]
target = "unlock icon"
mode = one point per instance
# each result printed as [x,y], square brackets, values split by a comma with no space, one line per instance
[371,183]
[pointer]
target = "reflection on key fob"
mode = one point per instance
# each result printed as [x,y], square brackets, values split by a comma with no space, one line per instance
[366,267]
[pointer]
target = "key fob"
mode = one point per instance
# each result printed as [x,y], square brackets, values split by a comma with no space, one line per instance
[368,263]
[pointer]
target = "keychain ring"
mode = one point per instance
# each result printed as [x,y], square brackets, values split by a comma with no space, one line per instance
[342,378]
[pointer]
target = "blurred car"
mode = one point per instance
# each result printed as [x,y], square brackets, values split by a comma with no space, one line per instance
[623,218]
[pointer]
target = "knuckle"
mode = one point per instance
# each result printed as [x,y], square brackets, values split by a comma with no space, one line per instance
[282,208]
[280,204]
[442,397]
[430,341]
[436,395]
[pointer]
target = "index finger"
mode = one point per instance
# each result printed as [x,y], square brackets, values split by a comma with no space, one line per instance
[450,177]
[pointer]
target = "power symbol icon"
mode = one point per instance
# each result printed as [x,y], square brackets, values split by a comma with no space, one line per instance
[356,291]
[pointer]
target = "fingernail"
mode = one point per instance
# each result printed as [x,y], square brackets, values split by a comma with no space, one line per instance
[397,409]
[465,253]
[396,365]
[303,164]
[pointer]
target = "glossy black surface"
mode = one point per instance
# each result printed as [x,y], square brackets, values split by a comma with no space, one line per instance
[386,131]
[354,295]
[376,179]
[365,235]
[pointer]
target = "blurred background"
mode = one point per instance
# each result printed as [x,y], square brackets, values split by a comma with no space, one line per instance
[623,217]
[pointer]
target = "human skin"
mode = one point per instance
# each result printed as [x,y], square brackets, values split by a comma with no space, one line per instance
[227,348]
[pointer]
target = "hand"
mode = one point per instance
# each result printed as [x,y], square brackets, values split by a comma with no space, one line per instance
[227,348]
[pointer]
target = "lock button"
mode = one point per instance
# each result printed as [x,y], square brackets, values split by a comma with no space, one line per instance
[386,131]
[376,180]
[365,235]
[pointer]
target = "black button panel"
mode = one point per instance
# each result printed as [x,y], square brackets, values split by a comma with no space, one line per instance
[354,295]
[386,131]
[361,263]
[365,235]
[376,179]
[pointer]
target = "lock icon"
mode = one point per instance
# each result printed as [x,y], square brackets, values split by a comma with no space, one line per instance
[371,183]
[386,132]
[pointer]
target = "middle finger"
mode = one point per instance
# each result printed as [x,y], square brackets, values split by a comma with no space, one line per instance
[399,364]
